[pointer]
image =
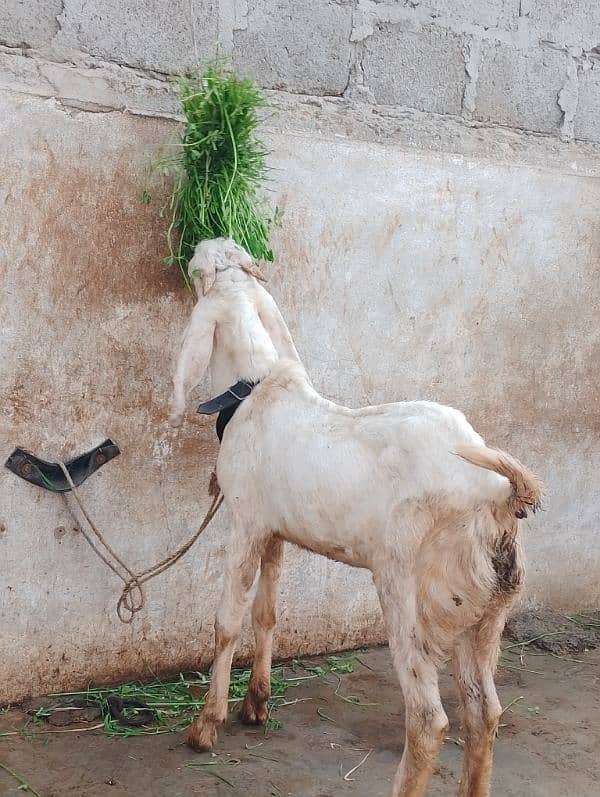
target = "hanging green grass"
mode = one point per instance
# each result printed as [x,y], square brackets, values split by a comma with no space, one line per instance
[218,169]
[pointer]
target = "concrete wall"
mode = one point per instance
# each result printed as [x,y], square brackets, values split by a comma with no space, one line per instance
[530,65]
[438,167]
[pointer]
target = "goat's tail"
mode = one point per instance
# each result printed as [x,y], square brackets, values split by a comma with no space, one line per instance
[527,489]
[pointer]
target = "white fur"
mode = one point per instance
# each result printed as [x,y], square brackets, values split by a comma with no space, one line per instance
[379,487]
[236,329]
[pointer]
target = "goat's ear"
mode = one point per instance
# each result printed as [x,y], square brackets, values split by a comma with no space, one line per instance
[254,271]
[207,280]
[202,271]
[238,255]
[193,359]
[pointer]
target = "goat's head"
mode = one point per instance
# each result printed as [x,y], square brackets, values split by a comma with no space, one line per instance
[218,254]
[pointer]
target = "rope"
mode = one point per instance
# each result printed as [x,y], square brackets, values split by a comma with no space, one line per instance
[132,598]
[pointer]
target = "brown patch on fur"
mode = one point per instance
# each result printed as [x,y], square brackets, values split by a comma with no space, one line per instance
[425,734]
[506,553]
[450,566]
[265,615]
[506,564]
[247,578]
[202,735]
[222,638]
[255,708]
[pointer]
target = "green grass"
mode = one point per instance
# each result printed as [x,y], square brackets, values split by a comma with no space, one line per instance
[218,169]
[176,703]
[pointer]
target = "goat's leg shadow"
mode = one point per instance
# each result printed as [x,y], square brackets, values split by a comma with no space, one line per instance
[241,567]
[255,708]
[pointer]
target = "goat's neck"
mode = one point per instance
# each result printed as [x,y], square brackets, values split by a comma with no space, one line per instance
[241,352]
[250,335]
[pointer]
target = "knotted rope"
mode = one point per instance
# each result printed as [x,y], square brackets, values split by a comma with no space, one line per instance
[132,598]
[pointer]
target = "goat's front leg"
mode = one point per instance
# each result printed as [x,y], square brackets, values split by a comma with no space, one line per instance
[242,565]
[475,658]
[264,617]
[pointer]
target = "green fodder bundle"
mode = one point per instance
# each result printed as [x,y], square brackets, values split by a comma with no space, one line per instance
[219,168]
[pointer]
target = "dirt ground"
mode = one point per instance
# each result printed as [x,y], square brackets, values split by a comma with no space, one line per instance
[549,745]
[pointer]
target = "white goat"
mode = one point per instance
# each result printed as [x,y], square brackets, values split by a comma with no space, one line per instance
[386,488]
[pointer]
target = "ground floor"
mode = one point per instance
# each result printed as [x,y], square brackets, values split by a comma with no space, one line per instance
[336,728]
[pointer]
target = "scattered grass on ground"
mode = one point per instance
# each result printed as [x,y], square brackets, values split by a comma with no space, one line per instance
[175,703]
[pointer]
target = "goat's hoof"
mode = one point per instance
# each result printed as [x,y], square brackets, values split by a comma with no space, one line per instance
[253,711]
[202,737]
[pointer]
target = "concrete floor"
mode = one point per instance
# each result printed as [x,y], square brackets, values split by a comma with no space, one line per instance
[549,746]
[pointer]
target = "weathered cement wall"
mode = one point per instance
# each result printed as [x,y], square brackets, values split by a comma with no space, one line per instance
[427,250]
[531,65]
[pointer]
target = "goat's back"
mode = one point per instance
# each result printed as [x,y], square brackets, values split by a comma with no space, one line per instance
[314,469]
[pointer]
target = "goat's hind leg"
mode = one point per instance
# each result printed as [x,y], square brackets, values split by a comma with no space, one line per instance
[426,721]
[475,658]
[255,708]
[242,564]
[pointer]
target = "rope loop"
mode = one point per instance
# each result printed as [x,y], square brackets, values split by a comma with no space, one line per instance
[132,598]
[131,602]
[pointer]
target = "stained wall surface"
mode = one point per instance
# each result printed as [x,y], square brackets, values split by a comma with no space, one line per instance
[438,167]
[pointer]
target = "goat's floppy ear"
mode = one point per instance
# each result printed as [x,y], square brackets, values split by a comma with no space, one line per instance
[193,359]
[255,272]
[202,270]
[207,280]
[238,255]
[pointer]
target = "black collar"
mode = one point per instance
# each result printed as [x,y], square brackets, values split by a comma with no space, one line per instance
[227,403]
